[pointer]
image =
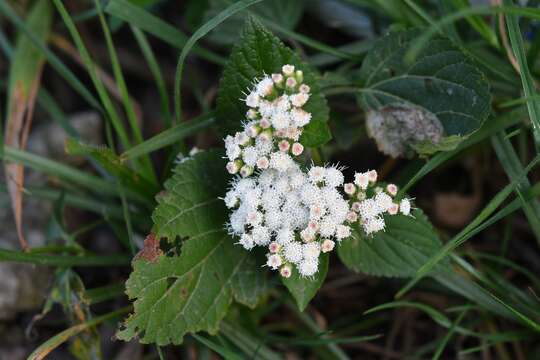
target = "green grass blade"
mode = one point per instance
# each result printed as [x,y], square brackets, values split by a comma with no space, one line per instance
[516,41]
[227,354]
[66,173]
[513,168]
[52,343]
[145,163]
[448,335]
[151,60]
[112,114]
[139,17]
[52,59]
[63,260]
[469,231]
[170,136]
[201,32]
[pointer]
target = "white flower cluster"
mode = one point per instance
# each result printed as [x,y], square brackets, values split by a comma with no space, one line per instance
[370,202]
[296,215]
[275,123]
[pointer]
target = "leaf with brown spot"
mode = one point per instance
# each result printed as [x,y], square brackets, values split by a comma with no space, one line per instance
[150,251]
[24,80]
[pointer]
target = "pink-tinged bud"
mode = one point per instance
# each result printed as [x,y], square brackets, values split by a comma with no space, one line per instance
[246,171]
[349,188]
[253,130]
[304,89]
[264,123]
[313,226]
[352,216]
[241,138]
[392,189]
[290,83]
[263,163]
[299,99]
[393,209]
[285,271]
[274,247]
[297,149]
[284,145]
[287,70]
[362,180]
[277,78]
[266,135]
[307,235]
[361,195]
[234,166]
[355,206]
[293,133]
[280,133]
[327,246]
[274,261]
[372,176]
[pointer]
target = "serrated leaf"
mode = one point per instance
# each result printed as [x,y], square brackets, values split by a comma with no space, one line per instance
[192,291]
[284,12]
[399,251]
[190,204]
[303,289]
[442,81]
[257,53]
[250,283]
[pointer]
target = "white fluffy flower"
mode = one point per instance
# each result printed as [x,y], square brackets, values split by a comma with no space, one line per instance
[299,99]
[405,207]
[252,100]
[265,86]
[362,180]
[316,174]
[250,155]
[261,235]
[383,202]
[311,250]
[308,267]
[333,177]
[281,161]
[374,225]
[246,240]
[293,252]
[342,232]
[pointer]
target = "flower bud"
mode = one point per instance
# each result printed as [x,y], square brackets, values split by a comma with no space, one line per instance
[285,271]
[297,149]
[246,171]
[287,70]
[234,166]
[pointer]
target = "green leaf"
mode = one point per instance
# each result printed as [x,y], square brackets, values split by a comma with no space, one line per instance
[284,12]
[190,292]
[405,245]
[190,204]
[303,289]
[250,283]
[259,52]
[442,89]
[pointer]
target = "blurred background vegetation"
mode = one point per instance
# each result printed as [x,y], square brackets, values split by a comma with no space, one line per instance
[102,72]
